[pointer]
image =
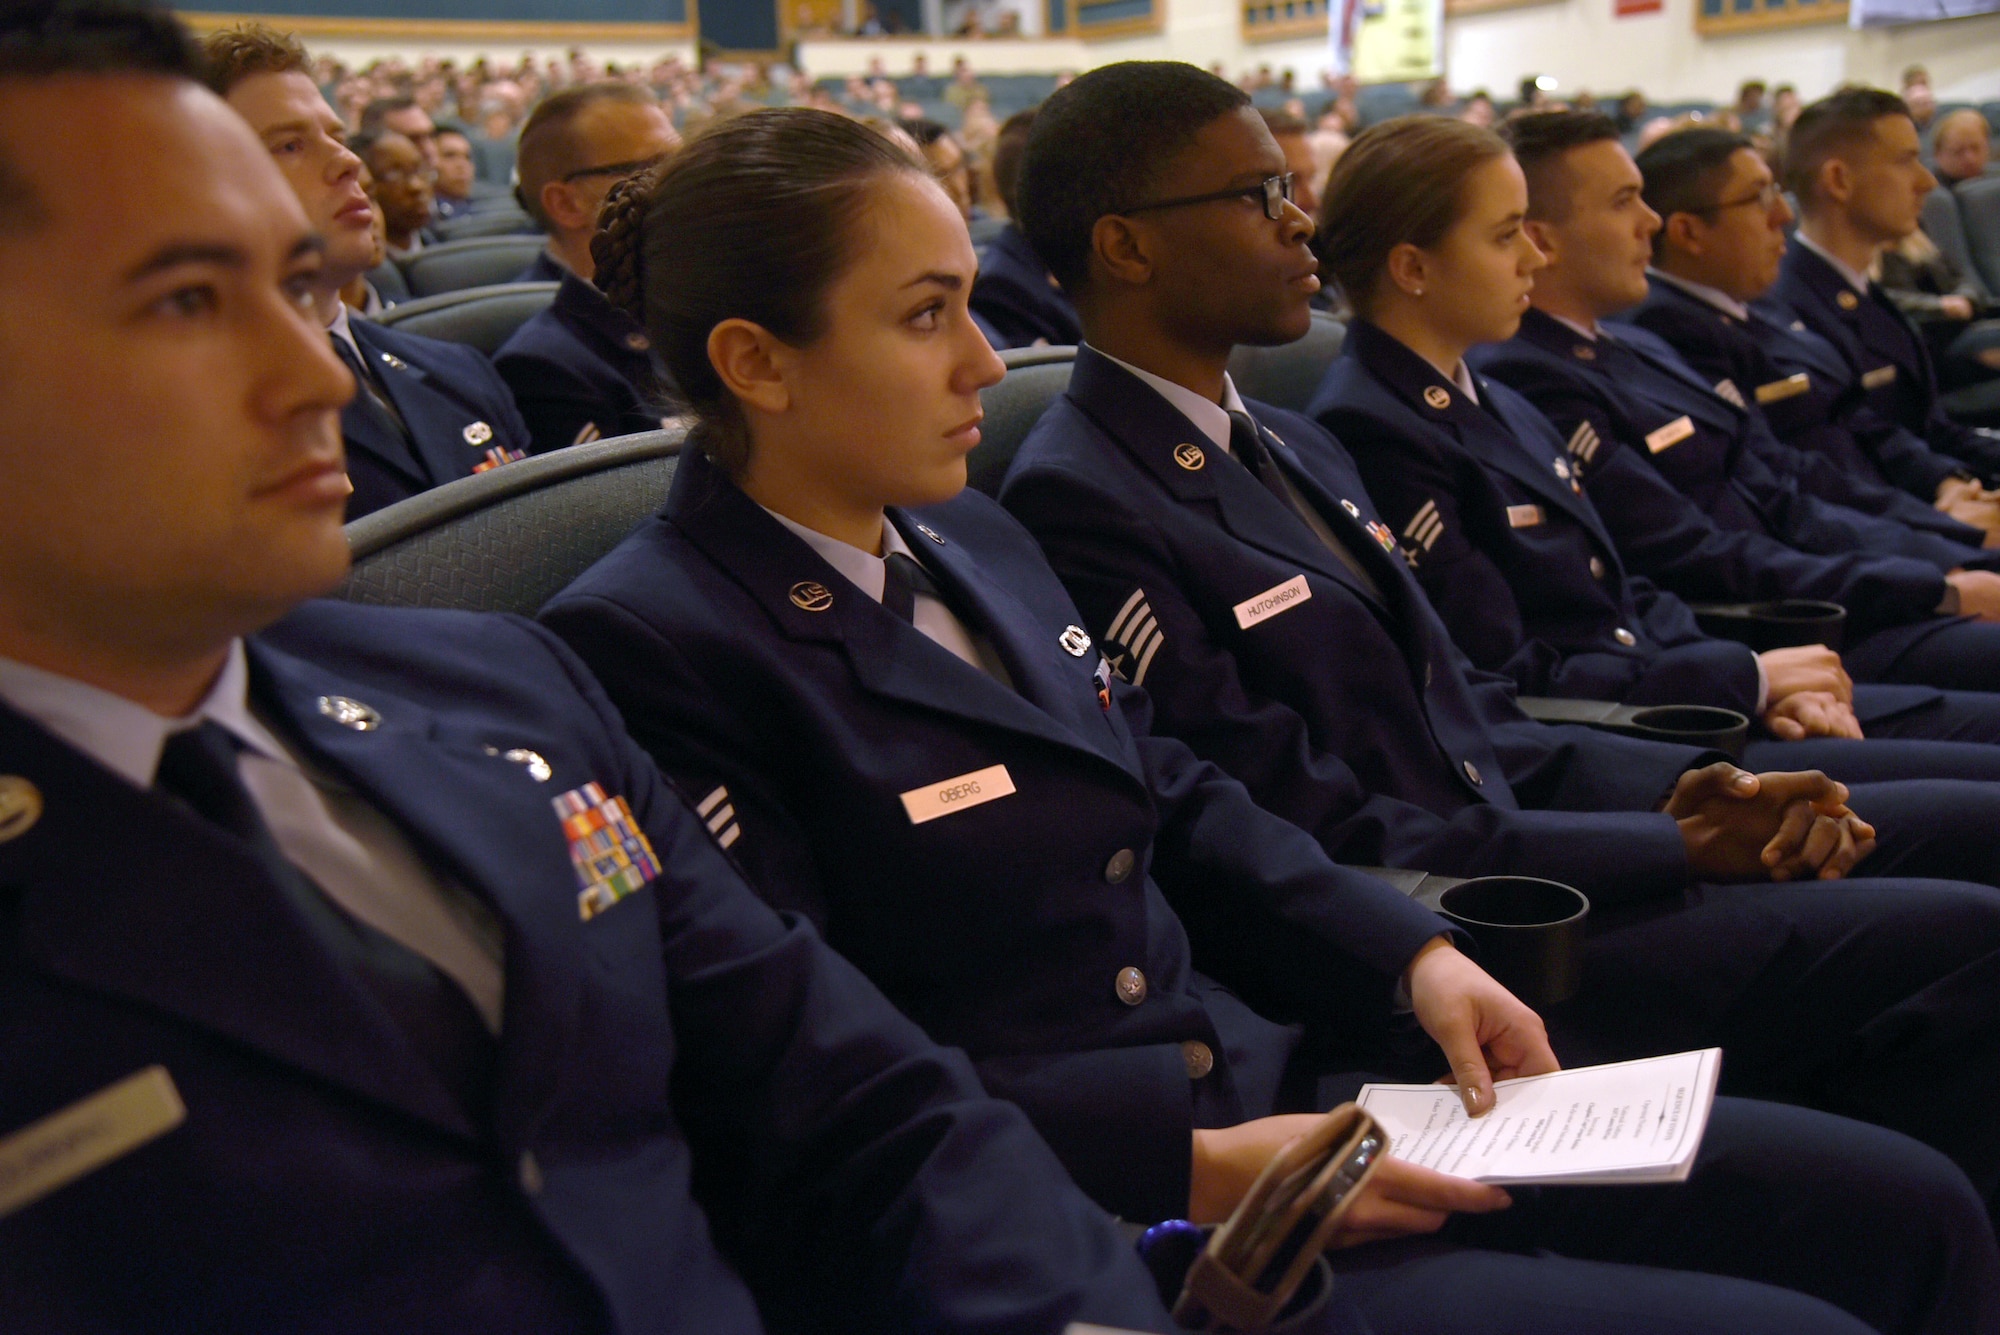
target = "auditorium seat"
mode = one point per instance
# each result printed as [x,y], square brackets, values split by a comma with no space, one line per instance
[507,540]
[1944,225]
[499,220]
[1036,377]
[479,317]
[1285,377]
[478,262]
[1979,210]
[388,281]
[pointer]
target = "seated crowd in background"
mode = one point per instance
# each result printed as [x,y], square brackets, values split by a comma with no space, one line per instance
[816,1057]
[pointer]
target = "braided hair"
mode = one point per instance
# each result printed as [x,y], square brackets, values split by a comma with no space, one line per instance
[750,220]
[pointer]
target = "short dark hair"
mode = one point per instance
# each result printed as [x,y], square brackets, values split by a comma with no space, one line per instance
[1540,141]
[924,130]
[1684,172]
[231,55]
[1099,144]
[1008,148]
[549,148]
[688,245]
[42,39]
[1281,122]
[1829,127]
[379,110]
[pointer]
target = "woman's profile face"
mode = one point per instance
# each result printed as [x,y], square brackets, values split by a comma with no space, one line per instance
[885,403]
[1479,275]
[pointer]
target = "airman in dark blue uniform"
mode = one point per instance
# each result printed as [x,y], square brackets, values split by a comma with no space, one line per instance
[582,370]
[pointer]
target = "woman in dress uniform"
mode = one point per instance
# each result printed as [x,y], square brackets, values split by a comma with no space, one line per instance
[877,694]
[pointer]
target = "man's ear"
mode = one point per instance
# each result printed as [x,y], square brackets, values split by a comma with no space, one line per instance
[1684,233]
[748,360]
[1544,237]
[559,206]
[1835,181]
[1123,250]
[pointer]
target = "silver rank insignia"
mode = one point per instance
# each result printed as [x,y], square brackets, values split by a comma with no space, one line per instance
[349,713]
[477,434]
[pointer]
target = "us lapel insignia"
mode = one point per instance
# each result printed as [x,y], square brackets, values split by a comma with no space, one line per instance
[1847,301]
[1583,352]
[477,433]
[395,361]
[1353,510]
[1074,642]
[538,768]
[1438,397]
[1189,457]
[20,806]
[638,342]
[811,596]
[607,848]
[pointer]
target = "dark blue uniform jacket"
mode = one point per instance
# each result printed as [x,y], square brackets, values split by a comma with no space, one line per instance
[1886,360]
[1801,384]
[1630,386]
[1002,927]
[1842,450]
[582,369]
[1488,510]
[1352,715]
[1017,299]
[705,1120]
[456,406]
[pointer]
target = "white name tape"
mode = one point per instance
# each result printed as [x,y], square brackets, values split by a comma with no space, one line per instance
[1880,376]
[1523,516]
[1673,433]
[967,790]
[85,1136]
[1272,601]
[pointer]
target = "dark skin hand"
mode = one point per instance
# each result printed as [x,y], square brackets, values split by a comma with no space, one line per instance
[1740,826]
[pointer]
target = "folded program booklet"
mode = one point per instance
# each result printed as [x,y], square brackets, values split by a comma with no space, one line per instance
[1636,1121]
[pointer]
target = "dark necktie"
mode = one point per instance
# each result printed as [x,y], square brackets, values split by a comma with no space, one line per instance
[200,768]
[902,580]
[1247,444]
[369,398]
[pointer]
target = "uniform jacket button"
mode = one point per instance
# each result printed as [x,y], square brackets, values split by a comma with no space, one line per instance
[1597,567]
[1624,637]
[1472,773]
[530,1174]
[1130,986]
[1120,866]
[1200,1061]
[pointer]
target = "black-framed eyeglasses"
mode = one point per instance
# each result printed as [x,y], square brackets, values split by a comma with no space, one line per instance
[1766,198]
[1273,192]
[620,169]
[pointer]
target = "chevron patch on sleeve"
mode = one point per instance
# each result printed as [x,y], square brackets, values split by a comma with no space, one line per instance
[1133,638]
[1583,442]
[1426,526]
[719,814]
[1726,389]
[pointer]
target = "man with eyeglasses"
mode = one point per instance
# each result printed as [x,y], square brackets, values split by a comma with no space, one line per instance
[582,369]
[1715,259]
[429,411]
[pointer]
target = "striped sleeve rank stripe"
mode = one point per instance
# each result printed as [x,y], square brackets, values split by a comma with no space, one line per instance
[1583,442]
[720,815]
[1136,634]
[1426,526]
[588,434]
[1726,389]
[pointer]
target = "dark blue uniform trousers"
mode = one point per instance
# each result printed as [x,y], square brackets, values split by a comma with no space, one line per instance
[1765,1220]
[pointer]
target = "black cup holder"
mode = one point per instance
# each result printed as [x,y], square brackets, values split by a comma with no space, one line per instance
[1530,932]
[1693,725]
[1781,624]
